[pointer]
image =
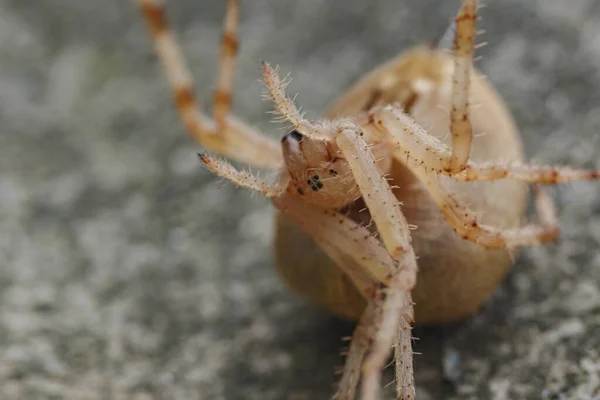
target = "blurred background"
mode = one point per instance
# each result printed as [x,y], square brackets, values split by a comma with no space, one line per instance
[127,271]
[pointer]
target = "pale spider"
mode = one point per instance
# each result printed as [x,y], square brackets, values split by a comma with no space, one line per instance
[328,170]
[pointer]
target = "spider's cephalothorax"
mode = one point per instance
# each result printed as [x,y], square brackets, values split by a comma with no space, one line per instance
[319,172]
[411,122]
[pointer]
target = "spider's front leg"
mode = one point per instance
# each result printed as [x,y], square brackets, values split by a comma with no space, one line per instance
[224,133]
[396,309]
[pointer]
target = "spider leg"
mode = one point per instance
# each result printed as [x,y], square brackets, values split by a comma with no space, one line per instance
[376,192]
[325,130]
[396,314]
[541,174]
[361,256]
[246,179]
[385,311]
[368,264]
[227,135]
[465,223]
[359,345]
[460,125]
[229,48]
[403,355]
[415,147]
[352,246]
[395,234]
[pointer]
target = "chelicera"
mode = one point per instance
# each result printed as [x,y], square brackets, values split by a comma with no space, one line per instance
[383,179]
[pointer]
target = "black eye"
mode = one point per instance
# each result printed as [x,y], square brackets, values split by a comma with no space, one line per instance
[297,136]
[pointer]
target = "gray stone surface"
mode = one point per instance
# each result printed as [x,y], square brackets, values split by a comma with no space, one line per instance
[128,271]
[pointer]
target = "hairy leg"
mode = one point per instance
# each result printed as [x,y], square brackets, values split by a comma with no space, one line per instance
[395,234]
[395,303]
[466,224]
[541,174]
[415,147]
[352,246]
[460,125]
[359,345]
[389,310]
[226,135]
[245,178]
[318,130]
[376,192]
[403,354]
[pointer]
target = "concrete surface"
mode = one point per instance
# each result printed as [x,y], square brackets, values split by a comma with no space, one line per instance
[128,271]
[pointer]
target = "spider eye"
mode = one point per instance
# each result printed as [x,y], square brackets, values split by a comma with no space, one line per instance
[295,135]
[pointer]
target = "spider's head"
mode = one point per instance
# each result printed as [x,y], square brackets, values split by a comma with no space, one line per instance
[318,171]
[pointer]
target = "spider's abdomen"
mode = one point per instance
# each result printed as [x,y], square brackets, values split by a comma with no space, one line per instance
[455,276]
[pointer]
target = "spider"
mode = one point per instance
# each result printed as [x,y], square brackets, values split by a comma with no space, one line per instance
[380,152]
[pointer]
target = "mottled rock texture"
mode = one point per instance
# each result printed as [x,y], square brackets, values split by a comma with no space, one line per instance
[127,271]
